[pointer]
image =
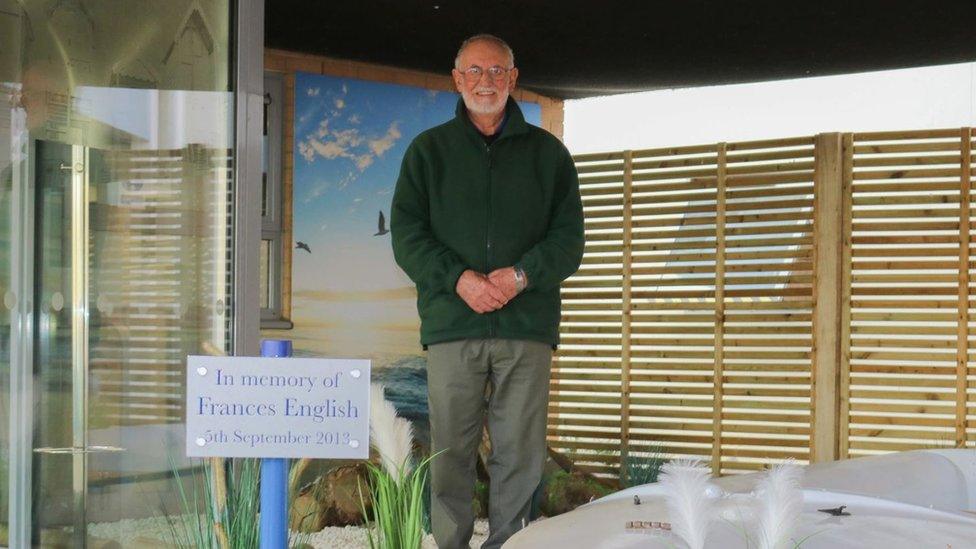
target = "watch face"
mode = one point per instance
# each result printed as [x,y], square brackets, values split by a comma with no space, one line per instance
[519,280]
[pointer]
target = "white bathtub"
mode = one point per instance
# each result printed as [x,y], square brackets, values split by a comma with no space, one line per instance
[909,500]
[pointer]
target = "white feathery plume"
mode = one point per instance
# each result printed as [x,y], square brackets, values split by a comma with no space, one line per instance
[390,435]
[780,504]
[689,507]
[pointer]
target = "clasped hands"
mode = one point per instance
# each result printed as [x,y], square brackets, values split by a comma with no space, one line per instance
[486,293]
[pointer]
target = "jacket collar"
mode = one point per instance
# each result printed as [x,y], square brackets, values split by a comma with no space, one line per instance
[515,123]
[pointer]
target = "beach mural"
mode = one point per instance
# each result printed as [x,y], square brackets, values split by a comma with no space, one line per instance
[349,298]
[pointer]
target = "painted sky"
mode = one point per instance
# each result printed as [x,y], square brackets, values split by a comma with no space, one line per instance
[350,136]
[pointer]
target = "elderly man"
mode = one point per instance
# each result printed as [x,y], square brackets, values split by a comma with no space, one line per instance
[487,221]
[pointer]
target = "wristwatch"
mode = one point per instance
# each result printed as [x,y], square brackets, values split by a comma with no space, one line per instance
[520,280]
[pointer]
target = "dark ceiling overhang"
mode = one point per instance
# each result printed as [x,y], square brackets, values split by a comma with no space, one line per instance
[572,49]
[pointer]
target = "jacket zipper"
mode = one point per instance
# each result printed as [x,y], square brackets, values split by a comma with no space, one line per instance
[491,328]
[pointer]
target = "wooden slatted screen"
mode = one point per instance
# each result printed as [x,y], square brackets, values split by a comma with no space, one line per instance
[768,286]
[966,369]
[156,273]
[910,352]
[697,269]
[587,375]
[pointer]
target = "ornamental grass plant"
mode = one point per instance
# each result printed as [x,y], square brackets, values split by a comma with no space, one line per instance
[398,506]
[221,509]
[396,486]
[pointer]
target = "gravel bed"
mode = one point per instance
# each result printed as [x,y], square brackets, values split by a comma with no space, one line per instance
[134,532]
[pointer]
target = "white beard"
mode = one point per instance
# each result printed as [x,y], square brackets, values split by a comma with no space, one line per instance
[479,107]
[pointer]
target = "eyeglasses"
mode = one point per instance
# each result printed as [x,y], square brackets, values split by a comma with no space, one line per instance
[474,73]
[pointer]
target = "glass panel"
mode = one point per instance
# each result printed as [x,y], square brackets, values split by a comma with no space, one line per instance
[116,118]
[53,506]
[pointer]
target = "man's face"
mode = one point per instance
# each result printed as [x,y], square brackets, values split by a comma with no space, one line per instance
[484,94]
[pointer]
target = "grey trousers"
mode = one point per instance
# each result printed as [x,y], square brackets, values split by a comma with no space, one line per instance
[458,373]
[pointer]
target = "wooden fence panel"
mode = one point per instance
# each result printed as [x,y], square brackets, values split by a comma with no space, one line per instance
[587,372]
[905,291]
[744,303]
[687,330]
[966,374]
[672,296]
[769,303]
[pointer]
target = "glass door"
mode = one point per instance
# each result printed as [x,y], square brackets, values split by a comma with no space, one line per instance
[61,337]
[117,132]
[128,280]
[52,502]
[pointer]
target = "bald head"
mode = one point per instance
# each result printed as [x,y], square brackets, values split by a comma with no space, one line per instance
[487,39]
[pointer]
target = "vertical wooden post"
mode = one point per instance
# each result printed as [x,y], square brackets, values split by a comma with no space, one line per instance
[827,225]
[625,310]
[847,214]
[962,349]
[287,185]
[718,381]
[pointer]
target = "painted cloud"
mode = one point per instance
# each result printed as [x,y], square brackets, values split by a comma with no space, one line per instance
[336,137]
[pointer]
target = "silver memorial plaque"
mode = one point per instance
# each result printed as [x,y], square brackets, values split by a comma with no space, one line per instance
[277,407]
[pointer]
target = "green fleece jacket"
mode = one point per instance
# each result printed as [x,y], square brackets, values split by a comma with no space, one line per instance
[463,204]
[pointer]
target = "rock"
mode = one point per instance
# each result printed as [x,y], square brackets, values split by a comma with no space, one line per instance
[306,515]
[332,500]
[567,491]
[345,507]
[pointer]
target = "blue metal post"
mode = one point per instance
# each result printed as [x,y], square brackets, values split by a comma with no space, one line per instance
[274,476]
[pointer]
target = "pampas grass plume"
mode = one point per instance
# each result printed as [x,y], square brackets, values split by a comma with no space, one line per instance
[780,504]
[390,434]
[689,507]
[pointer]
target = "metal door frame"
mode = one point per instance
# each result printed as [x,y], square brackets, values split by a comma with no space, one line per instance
[80,245]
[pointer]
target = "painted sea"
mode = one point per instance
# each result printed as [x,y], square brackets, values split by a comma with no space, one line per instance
[405,382]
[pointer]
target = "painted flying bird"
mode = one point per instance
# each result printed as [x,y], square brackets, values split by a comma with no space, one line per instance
[383,230]
[302,246]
